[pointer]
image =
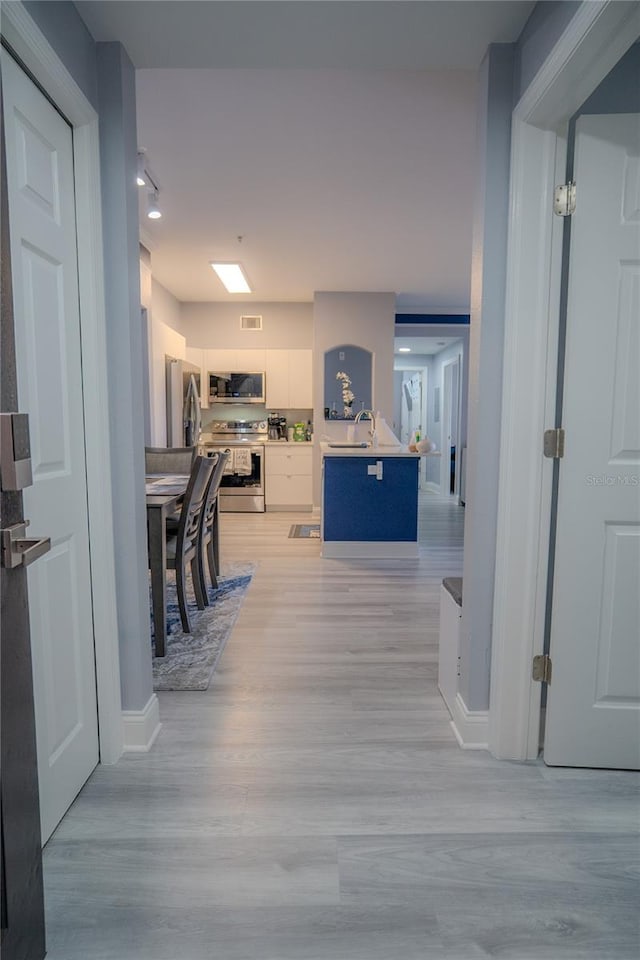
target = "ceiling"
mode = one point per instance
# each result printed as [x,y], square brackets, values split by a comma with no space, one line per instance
[421,345]
[336,139]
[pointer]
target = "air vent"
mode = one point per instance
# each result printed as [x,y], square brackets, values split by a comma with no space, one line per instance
[251,323]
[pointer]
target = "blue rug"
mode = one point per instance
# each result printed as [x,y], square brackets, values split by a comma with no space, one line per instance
[191,658]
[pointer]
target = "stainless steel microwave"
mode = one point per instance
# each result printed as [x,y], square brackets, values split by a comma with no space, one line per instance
[237,387]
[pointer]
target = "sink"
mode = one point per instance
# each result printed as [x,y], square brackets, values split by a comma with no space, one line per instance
[346,444]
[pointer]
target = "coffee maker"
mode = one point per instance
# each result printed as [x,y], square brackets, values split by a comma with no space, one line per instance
[277,427]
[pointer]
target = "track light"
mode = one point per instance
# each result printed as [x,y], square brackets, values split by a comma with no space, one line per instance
[145,178]
[153,210]
[141,176]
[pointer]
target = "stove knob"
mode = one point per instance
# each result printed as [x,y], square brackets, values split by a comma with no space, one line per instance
[262,425]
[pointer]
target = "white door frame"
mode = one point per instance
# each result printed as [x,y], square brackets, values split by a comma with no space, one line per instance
[38,56]
[447,424]
[594,41]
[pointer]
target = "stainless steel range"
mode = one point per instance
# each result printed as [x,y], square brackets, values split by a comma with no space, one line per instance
[242,486]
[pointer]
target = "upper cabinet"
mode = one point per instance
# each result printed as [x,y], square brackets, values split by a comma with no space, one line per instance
[288,373]
[235,361]
[289,379]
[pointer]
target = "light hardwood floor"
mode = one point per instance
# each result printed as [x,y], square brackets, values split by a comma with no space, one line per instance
[313,803]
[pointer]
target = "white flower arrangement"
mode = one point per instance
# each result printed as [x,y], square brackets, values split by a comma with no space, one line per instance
[347,395]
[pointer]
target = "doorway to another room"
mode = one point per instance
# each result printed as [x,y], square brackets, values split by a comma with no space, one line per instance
[430,398]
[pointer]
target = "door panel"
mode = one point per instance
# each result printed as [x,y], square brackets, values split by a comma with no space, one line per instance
[22,935]
[48,355]
[593,710]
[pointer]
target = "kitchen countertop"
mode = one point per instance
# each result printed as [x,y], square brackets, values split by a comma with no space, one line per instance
[305,444]
[219,441]
[398,450]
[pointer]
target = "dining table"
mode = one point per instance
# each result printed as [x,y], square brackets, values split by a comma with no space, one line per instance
[164,493]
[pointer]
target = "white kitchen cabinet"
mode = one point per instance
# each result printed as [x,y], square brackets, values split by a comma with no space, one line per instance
[288,477]
[235,361]
[221,361]
[251,360]
[300,379]
[289,376]
[277,371]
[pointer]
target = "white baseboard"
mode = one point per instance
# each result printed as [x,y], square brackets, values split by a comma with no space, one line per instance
[470,727]
[141,727]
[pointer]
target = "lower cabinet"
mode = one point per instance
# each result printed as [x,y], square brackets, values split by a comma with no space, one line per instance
[288,481]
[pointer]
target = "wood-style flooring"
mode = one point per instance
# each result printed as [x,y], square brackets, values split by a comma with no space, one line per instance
[313,804]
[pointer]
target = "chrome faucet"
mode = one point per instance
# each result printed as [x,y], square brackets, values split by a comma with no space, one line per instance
[371,416]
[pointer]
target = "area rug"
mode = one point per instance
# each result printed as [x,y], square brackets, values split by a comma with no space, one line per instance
[304,530]
[191,658]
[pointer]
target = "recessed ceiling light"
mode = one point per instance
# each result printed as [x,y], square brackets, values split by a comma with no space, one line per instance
[232,276]
[404,349]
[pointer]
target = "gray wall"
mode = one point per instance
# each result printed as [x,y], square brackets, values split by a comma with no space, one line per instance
[106,77]
[540,32]
[365,320]
[486,336]
[116,88]
[67,34]
[620,89]
[285,326]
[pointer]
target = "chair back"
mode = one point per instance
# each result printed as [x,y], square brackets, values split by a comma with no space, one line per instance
[169,459]
[209,511]
[193,505]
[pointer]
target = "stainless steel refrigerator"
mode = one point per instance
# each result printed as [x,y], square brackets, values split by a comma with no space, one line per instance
[183,403]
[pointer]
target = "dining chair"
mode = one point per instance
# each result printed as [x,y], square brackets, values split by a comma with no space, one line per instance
[184,547]
[209,529]
[169,459]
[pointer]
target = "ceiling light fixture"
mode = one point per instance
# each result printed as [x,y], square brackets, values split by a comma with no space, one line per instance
[141,176]
[153,210]
[232,276]
[404,349]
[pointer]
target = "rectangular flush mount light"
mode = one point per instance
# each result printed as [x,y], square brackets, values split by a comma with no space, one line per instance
[232,276]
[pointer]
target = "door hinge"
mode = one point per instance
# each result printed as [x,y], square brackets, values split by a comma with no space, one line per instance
[542,668]
[564,199]
[554,443]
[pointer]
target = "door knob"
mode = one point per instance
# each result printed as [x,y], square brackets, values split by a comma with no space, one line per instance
[19,550]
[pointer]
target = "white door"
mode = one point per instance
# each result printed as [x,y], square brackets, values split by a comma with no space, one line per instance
[593,708]
[450,416]
[47,322]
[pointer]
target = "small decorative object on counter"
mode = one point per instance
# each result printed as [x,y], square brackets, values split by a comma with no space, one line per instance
[299,431]
[424,446]
[309,431]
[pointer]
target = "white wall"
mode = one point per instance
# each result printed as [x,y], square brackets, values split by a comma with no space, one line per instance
[485,371]
[285,326]
[165,339]
[116,94]
[364,320]
[436,430]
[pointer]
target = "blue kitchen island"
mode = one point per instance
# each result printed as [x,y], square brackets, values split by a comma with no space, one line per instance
[369,502]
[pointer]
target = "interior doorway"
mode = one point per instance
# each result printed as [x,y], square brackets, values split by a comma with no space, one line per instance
[44,257]
[595,40]
[414,383]
[451,445]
